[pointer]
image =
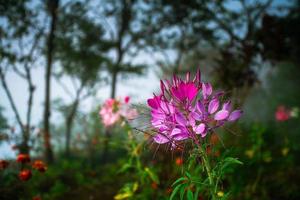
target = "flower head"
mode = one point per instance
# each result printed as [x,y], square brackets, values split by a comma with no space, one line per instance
[179,161]
[187,108]
[113,110]
[25,175]
[39,165]
[282,114]
[23,158]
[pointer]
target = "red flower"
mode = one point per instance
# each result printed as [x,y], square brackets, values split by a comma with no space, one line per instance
[25,175]
[179,161]
[39,165]
[282,114]
[3,164]
[23,158]
[36,198]
[154,185]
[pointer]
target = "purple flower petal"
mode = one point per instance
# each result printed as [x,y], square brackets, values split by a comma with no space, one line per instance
[204,134]
[200,107]
[227,106]
[206,90]
[175,131]
[187,77]
[152,103]
[221,115]
[200,128]
[180,119]
[162,87]
[235,115]
[196,116]
[182,136]
[198,76]
[213,106]
[160,139]
[191,91]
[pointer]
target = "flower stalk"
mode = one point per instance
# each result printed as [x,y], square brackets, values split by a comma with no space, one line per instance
[209,173]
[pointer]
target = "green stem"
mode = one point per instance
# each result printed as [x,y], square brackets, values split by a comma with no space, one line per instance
[209,172]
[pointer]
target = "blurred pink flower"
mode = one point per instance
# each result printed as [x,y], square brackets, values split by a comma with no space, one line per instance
[282,114]
[127,99]
[114,110]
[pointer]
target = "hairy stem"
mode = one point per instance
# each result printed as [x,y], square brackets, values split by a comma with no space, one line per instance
[209,172]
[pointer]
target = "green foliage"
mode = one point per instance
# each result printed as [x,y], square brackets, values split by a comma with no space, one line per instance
[3,120]
[80,44]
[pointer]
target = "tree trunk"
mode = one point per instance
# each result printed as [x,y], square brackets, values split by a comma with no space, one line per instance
[23,148]
[69,126]
[53,7]
[114,84]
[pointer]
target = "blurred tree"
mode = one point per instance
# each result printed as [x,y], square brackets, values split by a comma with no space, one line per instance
[3,126]
[122,22]
[223,30]
[179,27]
[80,49]
[280,35]
[19,50]
[52,7]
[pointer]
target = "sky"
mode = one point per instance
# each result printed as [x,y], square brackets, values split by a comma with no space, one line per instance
[138,88]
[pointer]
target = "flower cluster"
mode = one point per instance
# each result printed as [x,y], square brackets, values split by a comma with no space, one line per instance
[187,108]
[114,110]
[25,173]
[284,114]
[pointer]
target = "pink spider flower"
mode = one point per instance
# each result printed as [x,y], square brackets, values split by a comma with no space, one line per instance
[187,108]
[282,114]
[114,110]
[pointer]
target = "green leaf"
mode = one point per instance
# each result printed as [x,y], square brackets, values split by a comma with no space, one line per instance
[196,193]
[179,180]
[175,191]
[124,168]
[232,160]
[182,191]
[188,175]
[190,195]
[152,175]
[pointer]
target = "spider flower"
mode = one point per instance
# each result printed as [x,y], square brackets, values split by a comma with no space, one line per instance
[114,110]
[187,108]
[282,114]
